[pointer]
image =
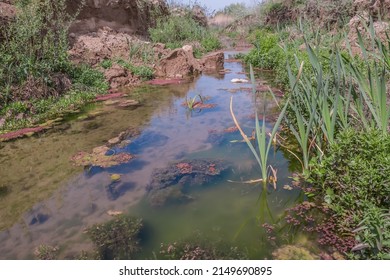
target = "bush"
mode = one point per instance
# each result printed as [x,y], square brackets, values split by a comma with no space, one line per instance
[88,79]
[267,54]
[178,30]
[142,71]
[353,178]
[210,43]
[355,170]
[118,238]
[36,42]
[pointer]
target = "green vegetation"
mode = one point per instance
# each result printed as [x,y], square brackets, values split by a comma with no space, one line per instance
[353,180]
[198,247]
[337,110]
[142,71]
[175,31]
[37,79]
[117,239]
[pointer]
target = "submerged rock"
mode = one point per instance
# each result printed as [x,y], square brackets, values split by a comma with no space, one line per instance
[122,139]
[290,252]
[25,132]
[100,156]
[172,195]
[117,188]
[167,184]
[195,172]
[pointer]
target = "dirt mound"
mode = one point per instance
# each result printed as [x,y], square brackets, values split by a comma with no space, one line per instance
[127,16]
[178,63]
[243,24]
[181,62]
[106,43]
[376,8]
[197,13]
[7,13]
[359,23]
[221,20]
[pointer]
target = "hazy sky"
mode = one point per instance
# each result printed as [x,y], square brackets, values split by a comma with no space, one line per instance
[217,4]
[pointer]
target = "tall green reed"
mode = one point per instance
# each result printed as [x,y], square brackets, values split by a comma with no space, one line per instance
[373,102]
[263,145]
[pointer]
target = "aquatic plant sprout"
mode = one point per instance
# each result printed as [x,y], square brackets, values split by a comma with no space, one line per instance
[263,145]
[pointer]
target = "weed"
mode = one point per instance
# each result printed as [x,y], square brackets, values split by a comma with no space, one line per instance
[106,64]
[118,238]
[46,252]
[145,72]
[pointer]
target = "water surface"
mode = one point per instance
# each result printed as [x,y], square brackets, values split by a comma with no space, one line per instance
[71,198]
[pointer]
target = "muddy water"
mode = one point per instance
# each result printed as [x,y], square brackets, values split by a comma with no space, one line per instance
[50,201]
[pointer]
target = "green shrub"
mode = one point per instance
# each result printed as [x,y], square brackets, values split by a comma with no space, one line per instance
[353,179]
[88,79]
[266,54]
[145,72]
[118,238]
[142,71]
[176,30]
[210,43]
[36,42]
[355,172]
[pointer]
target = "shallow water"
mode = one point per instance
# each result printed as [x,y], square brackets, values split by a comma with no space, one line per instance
[71,198]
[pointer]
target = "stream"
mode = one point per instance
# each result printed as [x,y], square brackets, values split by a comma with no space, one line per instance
[51,201]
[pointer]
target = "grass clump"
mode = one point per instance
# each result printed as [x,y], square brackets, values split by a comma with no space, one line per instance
[142,71]
[175,31]
[117,239]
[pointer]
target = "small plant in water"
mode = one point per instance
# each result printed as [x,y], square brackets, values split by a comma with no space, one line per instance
[46,252]
[191,103]
[118,238]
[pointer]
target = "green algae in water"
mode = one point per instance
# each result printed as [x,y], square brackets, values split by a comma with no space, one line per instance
[224,209]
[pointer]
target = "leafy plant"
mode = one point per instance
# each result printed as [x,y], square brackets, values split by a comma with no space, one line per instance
[354,171]
[145,72]
[210,43]
[86,78]
[266,54]
[373,234]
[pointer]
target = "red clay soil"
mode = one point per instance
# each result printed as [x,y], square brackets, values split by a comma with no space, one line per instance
[20,133]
